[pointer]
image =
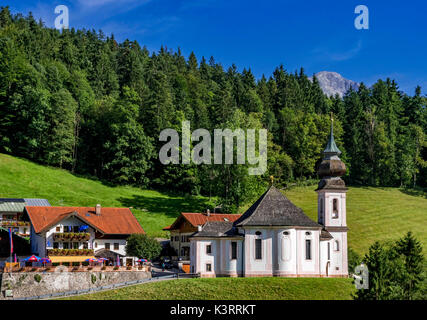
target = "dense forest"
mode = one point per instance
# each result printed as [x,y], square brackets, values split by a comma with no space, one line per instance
[81,101]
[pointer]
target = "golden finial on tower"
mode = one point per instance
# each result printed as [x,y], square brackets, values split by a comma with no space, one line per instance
[271,180]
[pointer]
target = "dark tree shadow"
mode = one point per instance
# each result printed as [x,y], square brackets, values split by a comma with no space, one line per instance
[171,207]
[415,192]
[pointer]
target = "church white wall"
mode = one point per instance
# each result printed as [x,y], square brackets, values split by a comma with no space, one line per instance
[285,252]
[339,262]
[219,258]
[264,266]
[308,267]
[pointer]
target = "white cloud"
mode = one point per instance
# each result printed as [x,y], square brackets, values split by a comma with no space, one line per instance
[327,54]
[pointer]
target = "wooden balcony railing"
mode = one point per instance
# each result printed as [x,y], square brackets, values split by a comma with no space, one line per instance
[14,223]
[71,236]
[70,252]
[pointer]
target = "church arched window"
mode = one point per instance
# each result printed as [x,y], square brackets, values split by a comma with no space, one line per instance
[335,208]
[337,245]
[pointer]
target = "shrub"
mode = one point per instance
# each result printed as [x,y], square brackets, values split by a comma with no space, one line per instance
[37,278]
[142,246]
[93,278]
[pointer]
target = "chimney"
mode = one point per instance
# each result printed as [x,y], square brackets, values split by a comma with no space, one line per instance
[98,209]
[208,213]
[199,228]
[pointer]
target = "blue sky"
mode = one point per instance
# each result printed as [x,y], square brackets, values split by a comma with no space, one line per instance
[316,35]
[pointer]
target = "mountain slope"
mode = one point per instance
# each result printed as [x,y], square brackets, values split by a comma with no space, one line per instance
[333,83]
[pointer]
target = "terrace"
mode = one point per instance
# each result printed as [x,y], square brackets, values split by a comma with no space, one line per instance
[74,267]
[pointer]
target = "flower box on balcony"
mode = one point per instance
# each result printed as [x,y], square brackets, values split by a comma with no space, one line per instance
[71,236]
[70,252]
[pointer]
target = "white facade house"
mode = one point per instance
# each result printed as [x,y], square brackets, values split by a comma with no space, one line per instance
[74,234]
[275,238]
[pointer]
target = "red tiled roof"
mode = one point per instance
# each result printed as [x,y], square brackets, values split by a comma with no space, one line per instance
[111,220]
[197,219]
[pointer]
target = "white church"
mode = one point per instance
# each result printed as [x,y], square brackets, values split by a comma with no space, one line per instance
[276,238]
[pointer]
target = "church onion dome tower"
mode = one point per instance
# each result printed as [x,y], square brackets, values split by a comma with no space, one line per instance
[331,168]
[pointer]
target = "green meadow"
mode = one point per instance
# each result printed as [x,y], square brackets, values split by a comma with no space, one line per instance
[233,288]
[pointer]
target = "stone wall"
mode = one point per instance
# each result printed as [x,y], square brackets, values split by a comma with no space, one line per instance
[30,284]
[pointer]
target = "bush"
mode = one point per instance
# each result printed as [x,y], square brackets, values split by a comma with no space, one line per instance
[142,246]
[93,278]
[395,271]
[37,278]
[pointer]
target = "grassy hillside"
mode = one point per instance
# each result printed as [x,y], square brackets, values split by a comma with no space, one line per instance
[232,288]
[21,178]
[372,213]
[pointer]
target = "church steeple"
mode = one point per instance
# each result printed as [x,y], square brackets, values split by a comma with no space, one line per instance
[331,166]
[331,148]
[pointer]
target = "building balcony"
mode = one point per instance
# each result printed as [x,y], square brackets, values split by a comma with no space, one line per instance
[70,252]
[14,223]
[71,236]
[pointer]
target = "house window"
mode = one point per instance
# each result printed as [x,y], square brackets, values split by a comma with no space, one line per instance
[76,229]
[208,267]
[55,245]
[258,249]
[176,238]
[208,249]
[75,245]
[286,233]
[65,245]
[258,233]
[58,229]
[329,251]
[171,239]
[116,246]
[335,209]
[107,245]
[85,245]
[96,245]
[233,250]
[308,249]
[337,245]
